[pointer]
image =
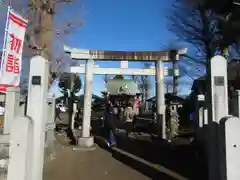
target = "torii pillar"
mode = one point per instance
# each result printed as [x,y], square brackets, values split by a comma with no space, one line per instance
[86,140]
[160,99]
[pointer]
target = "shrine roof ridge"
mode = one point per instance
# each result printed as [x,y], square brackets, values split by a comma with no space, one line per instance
[166,55]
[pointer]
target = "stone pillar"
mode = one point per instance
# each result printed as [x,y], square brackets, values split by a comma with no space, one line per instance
[174,121]
[51,106]
[230,148]
[36,109]
[86,140]
[11,107]
[20,150]
[73,115]
[205,113]
[219,109]
[219,86]
[51,143]
[200,132]
[160,100]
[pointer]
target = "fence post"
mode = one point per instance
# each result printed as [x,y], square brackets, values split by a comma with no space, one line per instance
[36,109]
[229,148]
[11,107]
[217,109]
[20,150]
[205,113]
[50,143]
[200,110]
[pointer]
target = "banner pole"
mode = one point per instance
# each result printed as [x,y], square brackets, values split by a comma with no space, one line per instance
[4,42]
[12,53]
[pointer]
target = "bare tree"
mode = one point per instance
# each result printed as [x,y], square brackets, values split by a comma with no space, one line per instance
[43,16]
[106,79]
[188,68]
[48,28]
[182,82]
[168,85]
[144,83]
[48,23]
[227,13]
[196,25]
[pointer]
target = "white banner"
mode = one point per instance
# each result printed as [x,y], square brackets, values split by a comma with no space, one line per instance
[12,50]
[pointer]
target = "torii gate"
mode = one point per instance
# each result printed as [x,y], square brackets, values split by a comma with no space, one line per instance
[124,56]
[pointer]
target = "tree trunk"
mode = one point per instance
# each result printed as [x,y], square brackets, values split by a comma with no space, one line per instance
[42,30]
[44,37]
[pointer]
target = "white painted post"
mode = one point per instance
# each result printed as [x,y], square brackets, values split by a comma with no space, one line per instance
[86,140]
[230,148]
[200,117]
[51,110]
[205,113]
[200,110]
[219,88]
[160,101]
[51,105]
[73,115]
[20,150]
[219,109]
[36,109]
[50,143]
[11,107]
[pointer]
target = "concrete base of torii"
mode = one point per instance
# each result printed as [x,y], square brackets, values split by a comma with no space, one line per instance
[85,144]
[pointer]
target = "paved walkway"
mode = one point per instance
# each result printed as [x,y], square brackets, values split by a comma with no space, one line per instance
[102,164]
[136,158]
[94,165]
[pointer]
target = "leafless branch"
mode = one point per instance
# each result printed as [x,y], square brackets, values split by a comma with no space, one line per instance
[195,25]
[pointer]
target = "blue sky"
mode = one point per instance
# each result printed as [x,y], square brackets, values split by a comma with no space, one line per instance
[122,25]
[115,25]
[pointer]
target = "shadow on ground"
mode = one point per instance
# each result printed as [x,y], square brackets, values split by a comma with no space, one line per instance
[181,159]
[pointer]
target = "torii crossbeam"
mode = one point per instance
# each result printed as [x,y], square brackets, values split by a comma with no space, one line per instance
[123,71]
